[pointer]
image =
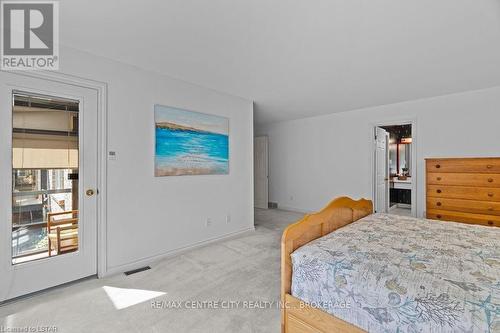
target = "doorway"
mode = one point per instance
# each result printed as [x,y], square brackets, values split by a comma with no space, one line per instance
[395,169]
[48,184]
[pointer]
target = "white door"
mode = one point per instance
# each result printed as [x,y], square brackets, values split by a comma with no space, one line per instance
[381,170]
[48,178]
[261,172]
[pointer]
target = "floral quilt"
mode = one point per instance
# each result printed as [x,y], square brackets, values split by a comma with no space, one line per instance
[387,273]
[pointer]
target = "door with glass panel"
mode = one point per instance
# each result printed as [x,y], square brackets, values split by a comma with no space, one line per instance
[48,177]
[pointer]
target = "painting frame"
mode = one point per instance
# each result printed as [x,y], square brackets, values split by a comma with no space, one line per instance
[189,142]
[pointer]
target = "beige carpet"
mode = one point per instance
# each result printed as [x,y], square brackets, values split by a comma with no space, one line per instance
[244,269]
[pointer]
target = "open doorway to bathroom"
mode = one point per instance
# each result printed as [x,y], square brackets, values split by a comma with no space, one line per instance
[394,169]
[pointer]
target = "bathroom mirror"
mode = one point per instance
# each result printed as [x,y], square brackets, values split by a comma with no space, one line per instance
[400,158]
[404,159]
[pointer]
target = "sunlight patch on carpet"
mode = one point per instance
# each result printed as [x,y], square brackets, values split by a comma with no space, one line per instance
[124,297]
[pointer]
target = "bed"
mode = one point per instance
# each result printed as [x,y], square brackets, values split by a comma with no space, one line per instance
[385,273]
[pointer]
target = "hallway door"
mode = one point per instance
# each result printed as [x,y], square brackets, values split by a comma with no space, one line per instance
[261,172]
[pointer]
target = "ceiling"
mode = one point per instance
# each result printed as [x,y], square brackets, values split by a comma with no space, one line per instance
[299,58]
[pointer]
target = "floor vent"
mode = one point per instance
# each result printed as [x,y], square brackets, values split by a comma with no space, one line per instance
[142,269]
[273,205]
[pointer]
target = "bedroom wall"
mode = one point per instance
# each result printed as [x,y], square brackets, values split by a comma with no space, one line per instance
[313,160]
[147,216]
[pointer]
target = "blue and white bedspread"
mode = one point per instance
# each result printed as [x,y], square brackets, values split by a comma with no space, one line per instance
[387,273]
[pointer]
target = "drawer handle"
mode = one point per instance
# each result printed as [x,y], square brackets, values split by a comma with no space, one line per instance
[490,222]
[438,166]
[490,195]
[438,178]
[489,166]
[438,191]
[438,216]
[490,180]
[491,209]
[439,204]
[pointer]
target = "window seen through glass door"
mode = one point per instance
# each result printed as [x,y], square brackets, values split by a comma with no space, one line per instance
[45,159]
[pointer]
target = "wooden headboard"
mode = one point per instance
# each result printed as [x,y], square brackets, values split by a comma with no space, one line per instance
[336,214]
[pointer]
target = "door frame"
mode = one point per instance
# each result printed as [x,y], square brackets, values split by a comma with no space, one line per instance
[102,148]
[414,186]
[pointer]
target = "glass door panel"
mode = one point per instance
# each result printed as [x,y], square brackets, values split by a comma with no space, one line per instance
[45,169]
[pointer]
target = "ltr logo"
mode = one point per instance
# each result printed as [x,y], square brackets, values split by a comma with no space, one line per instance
[29,35]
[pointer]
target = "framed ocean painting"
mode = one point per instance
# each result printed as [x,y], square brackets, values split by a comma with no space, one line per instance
[190,143]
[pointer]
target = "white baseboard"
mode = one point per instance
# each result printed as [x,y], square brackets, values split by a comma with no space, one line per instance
[150,260]
[294,209]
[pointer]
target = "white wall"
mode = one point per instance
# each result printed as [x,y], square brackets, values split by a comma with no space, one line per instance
[150,216]
[313,160]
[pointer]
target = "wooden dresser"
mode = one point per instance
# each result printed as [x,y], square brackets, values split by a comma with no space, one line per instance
[464,190]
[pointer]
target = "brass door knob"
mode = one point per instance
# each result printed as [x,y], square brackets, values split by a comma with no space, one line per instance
[90,192]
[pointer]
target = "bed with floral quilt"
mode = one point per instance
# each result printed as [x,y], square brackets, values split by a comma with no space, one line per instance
[388,273]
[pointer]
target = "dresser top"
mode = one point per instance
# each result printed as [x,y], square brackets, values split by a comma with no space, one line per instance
[461,158]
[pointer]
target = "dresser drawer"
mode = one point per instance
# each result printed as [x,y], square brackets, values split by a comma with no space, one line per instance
[464,192]
[464,179]
[467,165]
[443,215]
[466,206]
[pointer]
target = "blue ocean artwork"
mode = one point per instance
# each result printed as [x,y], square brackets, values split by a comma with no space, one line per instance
[190,143]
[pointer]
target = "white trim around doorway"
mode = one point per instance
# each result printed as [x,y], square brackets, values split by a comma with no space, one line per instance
[102,108]
[395,122]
